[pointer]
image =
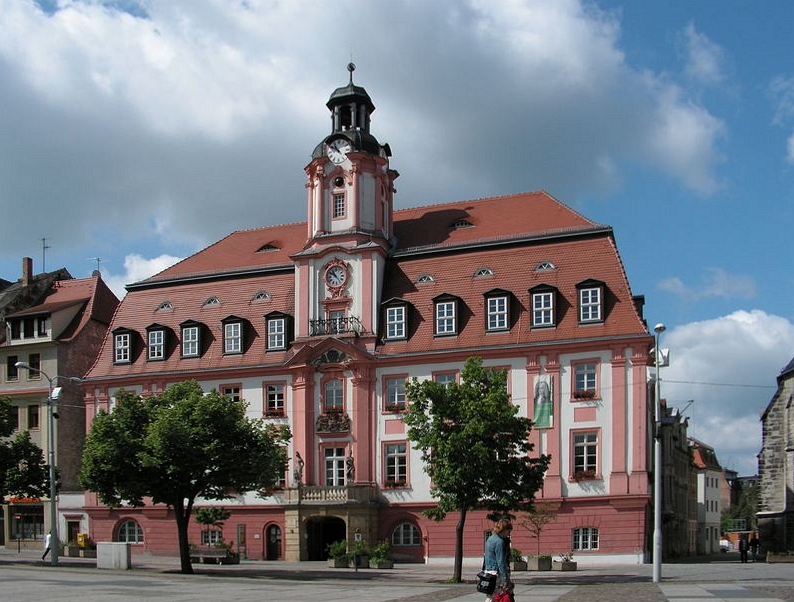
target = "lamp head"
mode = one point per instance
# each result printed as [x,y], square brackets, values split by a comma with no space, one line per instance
[24,365]
[659,328]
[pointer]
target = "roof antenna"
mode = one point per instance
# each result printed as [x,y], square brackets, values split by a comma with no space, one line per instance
[351,67]
[44,247]
[98,261]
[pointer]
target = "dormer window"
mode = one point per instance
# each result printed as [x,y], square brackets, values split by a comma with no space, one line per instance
[165,306]
[497,310]
[461,223]
[445,315]
[543,300]
[156,344]
[396,321]
[191,339]
[278,328]
[425,279]
[482,272]
[232,335]
[591,301]
[260,296]
[545,266]
[212,301]
[122,347]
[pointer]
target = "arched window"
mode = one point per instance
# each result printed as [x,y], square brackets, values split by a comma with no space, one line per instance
[406,534]
[129,532]
[585,538]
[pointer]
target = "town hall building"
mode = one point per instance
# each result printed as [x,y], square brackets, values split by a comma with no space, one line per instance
[320,324]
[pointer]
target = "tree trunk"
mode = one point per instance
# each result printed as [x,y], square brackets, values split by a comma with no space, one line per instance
[182,515]
[458,570]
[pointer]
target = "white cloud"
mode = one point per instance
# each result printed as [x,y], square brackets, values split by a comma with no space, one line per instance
[704,59]
[137,268]
[729,366]
[716,283]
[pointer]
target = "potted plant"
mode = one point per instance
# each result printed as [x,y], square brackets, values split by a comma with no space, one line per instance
[517,562]
[379,556]
[71,549]
[337,554]
[536,520]
[359,554]
[541,562]
[565,563]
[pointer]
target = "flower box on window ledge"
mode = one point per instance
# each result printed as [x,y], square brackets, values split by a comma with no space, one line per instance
[587,394]
[333,421]
[584,475]
[391,484]
[274,414]
[395,408]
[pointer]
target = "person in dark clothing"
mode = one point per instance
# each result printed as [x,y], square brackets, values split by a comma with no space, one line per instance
[497,554]
[743,546]
[754,545]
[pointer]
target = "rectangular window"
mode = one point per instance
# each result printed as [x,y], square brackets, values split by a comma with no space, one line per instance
[585,538]
[34,361]
[190,341]
[30,328]
[334,397]
[584,380]
[497,313]
[590,305]
[396,470]
[211,537]
[122,348]
[395,394]
[339,205]
[16,329]
[233,337]
[445,378]
[42,327]
[12,372]
[156,344]
[336,321]
[585,453]
[33,417]
[334,466]
[231,391]
[15,417]
[445,317]
[395,322]
[275,399]
[543,309]
[276,333]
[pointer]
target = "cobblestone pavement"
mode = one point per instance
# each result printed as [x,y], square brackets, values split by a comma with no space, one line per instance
[24,578]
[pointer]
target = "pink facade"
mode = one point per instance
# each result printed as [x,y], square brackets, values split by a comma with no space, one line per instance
[336,314]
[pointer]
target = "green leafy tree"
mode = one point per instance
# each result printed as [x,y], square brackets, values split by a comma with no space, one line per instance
[23,470]
[212,516]
[179,446]
[475,447]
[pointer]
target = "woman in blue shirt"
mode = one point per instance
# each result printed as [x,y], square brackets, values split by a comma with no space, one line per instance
[497,554]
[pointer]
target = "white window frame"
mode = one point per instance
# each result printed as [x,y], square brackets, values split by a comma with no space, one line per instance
[395,459]
[156,344]
[190,341]
[446,317]
[497,311]
[121,347]
[543,309]
[395,393]
[590,309]
[339,209]
[585,376]
[395,322]
[334,395]
[210,537]
[585,451]
[275,399]
[277,333]
[130,531]
[335,468]
[585,538]
[233,337]
[405,535]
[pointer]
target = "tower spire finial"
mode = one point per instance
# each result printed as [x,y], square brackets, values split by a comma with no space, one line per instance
[351,67]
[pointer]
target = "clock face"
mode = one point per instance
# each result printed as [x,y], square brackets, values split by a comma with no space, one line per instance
[338,149]
[336,275]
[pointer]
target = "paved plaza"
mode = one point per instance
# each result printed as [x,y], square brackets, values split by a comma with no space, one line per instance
[24,578]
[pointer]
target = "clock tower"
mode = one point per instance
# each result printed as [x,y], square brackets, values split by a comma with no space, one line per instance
[350,190]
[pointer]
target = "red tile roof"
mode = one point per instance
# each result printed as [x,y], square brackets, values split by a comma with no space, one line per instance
[511,235]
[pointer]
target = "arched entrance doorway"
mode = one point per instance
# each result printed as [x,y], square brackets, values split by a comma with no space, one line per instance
[273,545]
[322,531]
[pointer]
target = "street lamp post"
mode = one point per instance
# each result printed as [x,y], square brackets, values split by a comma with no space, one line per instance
[52,395]
[657,463]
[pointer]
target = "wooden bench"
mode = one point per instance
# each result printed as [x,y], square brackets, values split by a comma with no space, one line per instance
[208,554]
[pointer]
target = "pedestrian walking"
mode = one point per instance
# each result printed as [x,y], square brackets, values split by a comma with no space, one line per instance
[497,555]
[754,547]
[47,544]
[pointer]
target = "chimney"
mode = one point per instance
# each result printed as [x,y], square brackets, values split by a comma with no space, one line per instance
[27,270]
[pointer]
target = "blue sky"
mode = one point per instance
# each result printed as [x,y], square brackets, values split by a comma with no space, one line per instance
[138,132]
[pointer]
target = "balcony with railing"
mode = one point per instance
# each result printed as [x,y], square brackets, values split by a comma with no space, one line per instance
[336,495]
[331,326]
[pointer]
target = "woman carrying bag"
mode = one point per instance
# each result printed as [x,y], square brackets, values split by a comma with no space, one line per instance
[497,556]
